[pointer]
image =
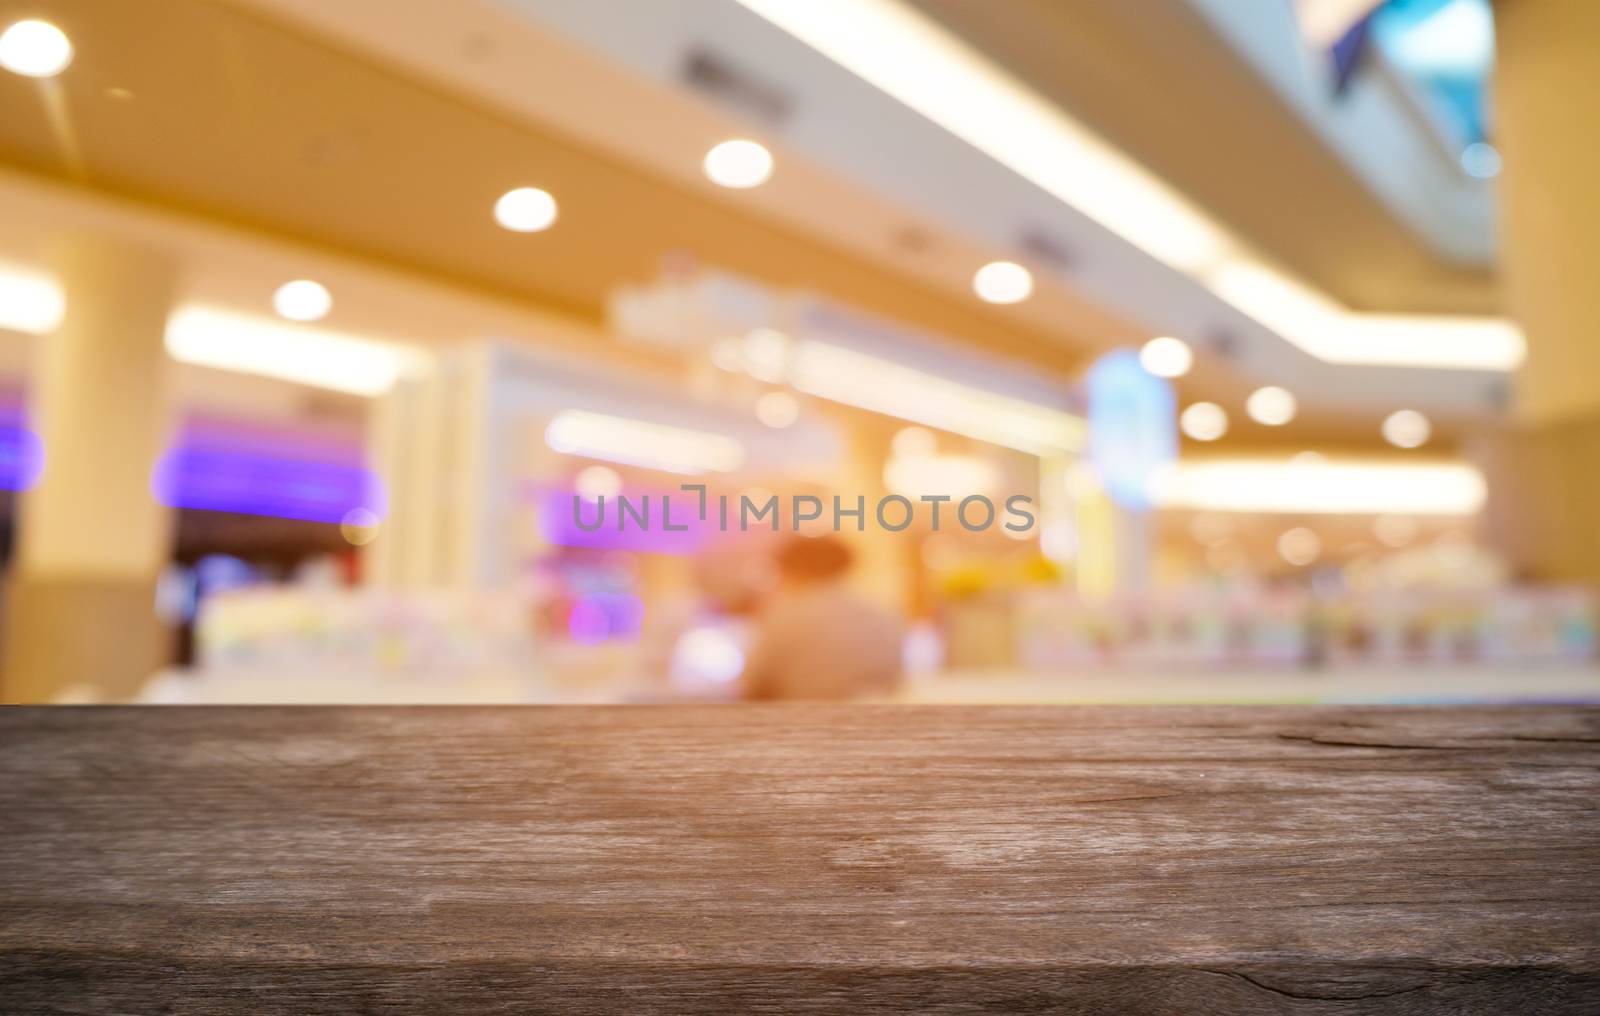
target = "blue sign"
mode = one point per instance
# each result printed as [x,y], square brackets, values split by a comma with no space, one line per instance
[1133,427]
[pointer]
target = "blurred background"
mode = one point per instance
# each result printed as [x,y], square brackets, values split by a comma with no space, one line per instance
[316,317]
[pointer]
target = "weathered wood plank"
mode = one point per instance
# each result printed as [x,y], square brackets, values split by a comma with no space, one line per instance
[800,859]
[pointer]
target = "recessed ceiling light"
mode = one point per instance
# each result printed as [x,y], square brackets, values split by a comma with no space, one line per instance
[526,210]
[302,300]
[1271,405]
[1407,428]
[1003,282]
[35,49]
[1204,421]
[1299,546]
[738,164]
[1166,357]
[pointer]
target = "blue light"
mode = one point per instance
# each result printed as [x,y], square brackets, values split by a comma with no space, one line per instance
[1452,39]
[1133,428]
[1447,48]
[21,457]
[227,481]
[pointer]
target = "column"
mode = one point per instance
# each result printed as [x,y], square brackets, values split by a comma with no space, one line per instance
[91,539]
[1545,470]
[440,446]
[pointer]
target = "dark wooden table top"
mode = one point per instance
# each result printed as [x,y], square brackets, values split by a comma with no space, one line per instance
[773,859]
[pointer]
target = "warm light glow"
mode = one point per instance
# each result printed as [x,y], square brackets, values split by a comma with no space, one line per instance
[739,164]
[726,355]
[923,66]
[642,443]
[1327,331]
[764,354]
[35,49]
[595,482]
[359,526]
[526,210]
[778,409]
[883,386]
[1299,546]
[1333,487]
[1166,357]
[1272,406]
[1204,421]
[1003,282]
[1407,428]
[325,359]
[914,442]
[927,69]
[956,476]
[302,300]
[30,301]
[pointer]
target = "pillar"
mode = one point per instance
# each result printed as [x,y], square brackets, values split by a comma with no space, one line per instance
[440,446]
[1545,469]
[91,539]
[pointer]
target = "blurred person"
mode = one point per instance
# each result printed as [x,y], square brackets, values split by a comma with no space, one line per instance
[818,639]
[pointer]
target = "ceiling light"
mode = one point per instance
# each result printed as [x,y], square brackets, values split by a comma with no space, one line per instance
[1204,421]
[35,49]
[764,354]
[1272,406]
[738,164]
[923,66]
[1332,488]
[525,210]
[912,59]
[1003,282]
[894,389]
[777,409]
[1317,325]
[1166,357]
[1481,160]
[642,443]
[302,300]
[30,301]
[229,341]
[1299,546]
[1407,428]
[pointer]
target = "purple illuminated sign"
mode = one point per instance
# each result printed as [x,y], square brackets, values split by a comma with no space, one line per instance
[21,457]
[227,481]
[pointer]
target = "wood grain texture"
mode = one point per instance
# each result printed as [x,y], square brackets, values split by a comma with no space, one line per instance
[806,859]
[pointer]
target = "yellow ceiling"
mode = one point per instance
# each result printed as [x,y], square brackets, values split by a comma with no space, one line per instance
[206,109]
